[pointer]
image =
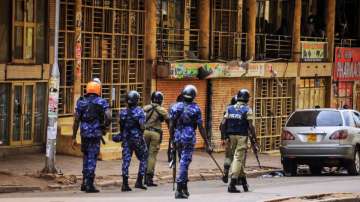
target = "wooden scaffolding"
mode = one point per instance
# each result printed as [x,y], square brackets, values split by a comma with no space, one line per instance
[228,41]
[177,29]
[274,101]
[113,49]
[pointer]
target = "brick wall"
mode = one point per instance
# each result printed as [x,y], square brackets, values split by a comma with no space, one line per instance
[223,90]
[171,89]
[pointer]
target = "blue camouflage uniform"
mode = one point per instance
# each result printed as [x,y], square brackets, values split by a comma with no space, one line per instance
[132,138]
[186,117]
[87,111]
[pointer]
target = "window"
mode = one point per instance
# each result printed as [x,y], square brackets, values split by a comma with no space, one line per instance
[348,117]
[315,118]
[356,119]
[4,113]
[40,112]
[23,42]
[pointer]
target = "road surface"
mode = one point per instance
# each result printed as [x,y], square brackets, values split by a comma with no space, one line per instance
[205,191]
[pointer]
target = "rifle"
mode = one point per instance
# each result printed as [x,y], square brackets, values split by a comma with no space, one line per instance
[172,163]
[217,164]
[254,147]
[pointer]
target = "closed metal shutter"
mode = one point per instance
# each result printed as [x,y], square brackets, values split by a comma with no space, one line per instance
[171,89]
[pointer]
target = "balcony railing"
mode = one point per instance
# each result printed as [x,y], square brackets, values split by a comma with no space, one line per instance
[270,46]
[350,43]
[174,46]
[315,39]
[228,45]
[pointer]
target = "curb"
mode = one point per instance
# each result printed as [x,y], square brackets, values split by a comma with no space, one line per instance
[163,179]
[315,196]
[202,176]
[15,188]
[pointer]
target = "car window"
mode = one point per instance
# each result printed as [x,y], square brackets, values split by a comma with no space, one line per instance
[315,118]
[348,117]
[356,119]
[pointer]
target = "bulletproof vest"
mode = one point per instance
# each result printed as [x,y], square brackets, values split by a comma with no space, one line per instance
[187,117]
[237,123]
[91,110]
[131,121]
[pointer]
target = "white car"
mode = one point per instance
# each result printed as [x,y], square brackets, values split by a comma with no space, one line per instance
[319,138]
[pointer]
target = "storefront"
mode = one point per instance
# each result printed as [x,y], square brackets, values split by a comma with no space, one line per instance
[346,73]
[24,74]
[24,111]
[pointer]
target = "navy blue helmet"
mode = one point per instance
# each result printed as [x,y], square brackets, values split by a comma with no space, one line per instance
[243,95]
[133,97]
[157,97]
[189,93]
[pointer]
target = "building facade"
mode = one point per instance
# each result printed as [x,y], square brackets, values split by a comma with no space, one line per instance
[301,53]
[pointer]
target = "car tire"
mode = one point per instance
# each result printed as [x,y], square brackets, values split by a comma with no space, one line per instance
[290,167]
[315,169]
[353,167]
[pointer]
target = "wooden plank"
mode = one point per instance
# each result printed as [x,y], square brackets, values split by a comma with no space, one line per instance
[310,69]
[24,72]
[2,72]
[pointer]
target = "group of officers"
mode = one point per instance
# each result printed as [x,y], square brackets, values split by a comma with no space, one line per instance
[141,133]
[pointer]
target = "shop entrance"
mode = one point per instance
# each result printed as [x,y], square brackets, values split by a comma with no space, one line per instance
[23,113]
[312,92]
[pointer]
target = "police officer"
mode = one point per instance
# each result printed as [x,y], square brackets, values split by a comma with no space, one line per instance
[179,98]
[225,141]
[185,117]
[94,116]
[132,125]
[238,123]
[155,115]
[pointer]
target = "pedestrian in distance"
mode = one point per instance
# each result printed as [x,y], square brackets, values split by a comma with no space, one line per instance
[93,115]
[132,125]
[237,125]
[185,118]
[153,134]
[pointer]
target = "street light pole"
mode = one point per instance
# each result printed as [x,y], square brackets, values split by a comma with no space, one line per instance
[53,102]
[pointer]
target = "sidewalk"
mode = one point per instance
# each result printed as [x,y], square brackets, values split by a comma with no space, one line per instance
[24,170]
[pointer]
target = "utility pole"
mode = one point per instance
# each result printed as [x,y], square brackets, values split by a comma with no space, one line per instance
[53,103]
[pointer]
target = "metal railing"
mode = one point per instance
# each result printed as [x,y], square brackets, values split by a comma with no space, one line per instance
[350,43]
[228,45]
[311,38]
[172,45]
[269,46]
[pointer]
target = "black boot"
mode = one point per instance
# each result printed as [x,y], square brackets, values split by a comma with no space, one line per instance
[185,189]
[149,180]
[139,182]
[232,186]
[225,178]
[83,185]
[179,194]
[90,187]
[125,186]
[244,184]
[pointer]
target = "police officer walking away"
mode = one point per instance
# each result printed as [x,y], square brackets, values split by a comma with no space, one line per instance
[185,117]
[155,115]
[238,124]
[225,141]
[132,125]
[94,116]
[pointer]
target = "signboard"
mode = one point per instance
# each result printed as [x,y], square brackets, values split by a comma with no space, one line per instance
[312,51]
[216,70]
[347,64]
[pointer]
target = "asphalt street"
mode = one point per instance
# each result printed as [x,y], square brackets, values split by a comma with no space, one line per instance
[205,191]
